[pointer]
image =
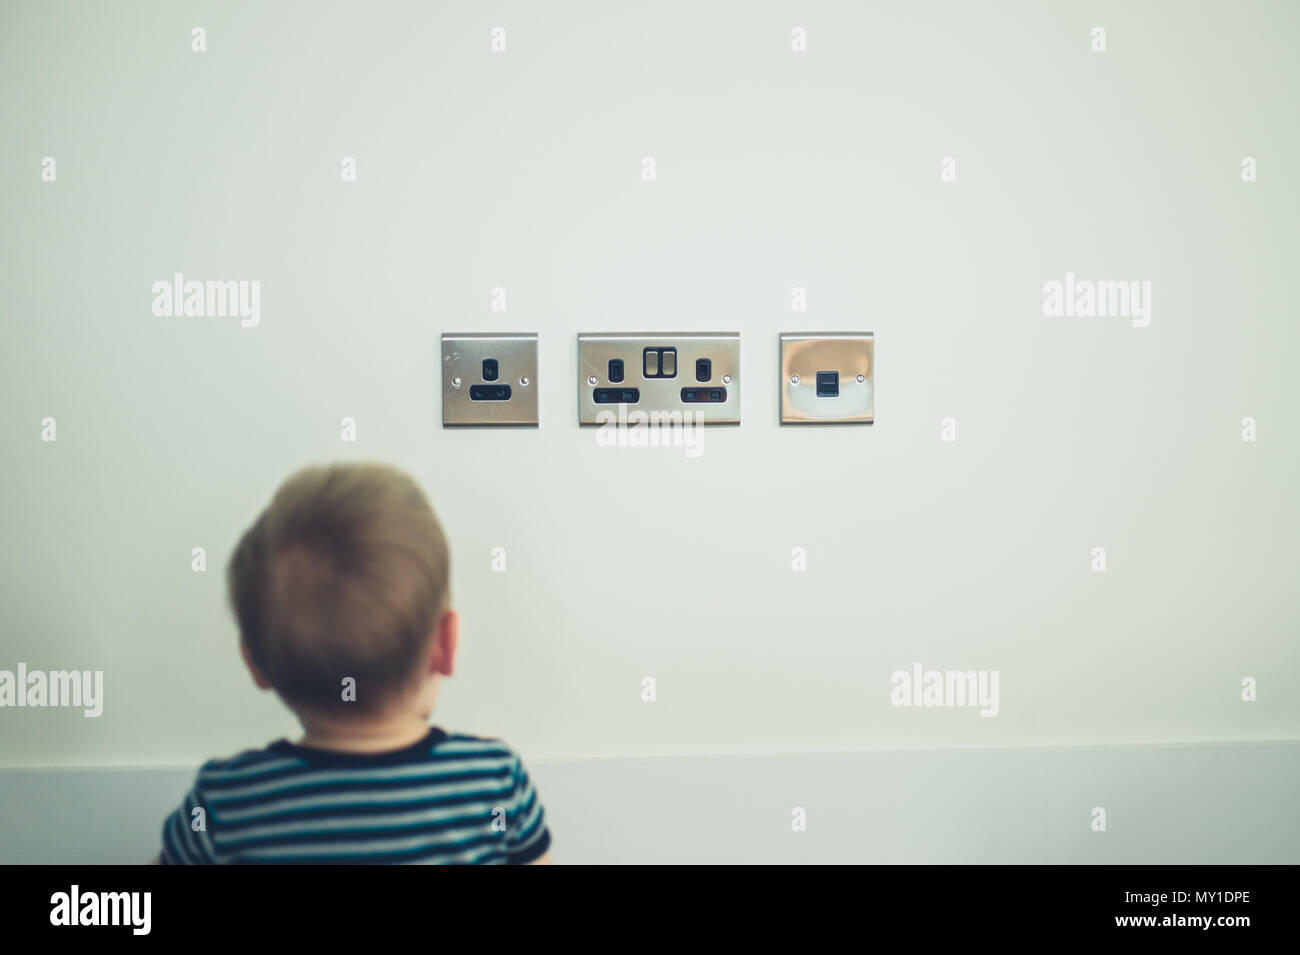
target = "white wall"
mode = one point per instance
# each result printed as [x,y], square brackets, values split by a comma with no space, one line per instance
[775,170]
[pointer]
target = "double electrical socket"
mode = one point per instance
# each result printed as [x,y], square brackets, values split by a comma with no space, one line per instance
[659,375]
[491,379]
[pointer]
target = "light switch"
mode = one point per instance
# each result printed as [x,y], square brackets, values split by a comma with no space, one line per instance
[489,379]
[828,378]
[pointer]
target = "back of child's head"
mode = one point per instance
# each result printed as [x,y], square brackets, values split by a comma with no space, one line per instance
[344,575]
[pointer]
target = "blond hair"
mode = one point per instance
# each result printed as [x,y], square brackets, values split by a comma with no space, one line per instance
[345,574]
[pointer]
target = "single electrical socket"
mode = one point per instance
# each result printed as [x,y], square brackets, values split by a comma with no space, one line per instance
[489,379]
[659,374]
[828,378]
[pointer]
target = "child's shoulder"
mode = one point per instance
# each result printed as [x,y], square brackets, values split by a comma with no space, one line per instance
[245,763]
[468,741]
[282,756]
[467,746]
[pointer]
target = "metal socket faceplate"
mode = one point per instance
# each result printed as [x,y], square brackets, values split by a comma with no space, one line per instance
[668,373]
[820,374]
[489,379]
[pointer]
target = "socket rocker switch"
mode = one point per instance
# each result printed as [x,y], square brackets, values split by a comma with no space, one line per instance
[489,380]
[652,374]
[828,378]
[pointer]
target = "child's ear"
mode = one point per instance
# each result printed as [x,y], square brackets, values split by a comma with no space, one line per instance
[446,638]
[261,681]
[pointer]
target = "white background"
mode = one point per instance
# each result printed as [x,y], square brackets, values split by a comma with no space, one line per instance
[775,170]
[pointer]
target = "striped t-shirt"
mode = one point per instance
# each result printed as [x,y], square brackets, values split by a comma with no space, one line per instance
[445,799]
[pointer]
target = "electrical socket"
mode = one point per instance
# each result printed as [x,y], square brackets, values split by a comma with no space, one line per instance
[660,374]
[489,379]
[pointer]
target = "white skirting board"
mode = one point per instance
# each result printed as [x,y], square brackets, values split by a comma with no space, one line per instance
[1193,803]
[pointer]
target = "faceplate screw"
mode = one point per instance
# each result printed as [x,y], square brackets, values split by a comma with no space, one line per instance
[861,378]
[726,379]
[794,379]
[523,382]
[591,380]
[455,382]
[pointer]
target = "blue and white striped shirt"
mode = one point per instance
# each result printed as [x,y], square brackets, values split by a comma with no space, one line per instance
[445,799]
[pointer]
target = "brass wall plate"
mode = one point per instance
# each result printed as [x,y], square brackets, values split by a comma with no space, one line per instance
[828,378]
[489,379]
[659,374]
